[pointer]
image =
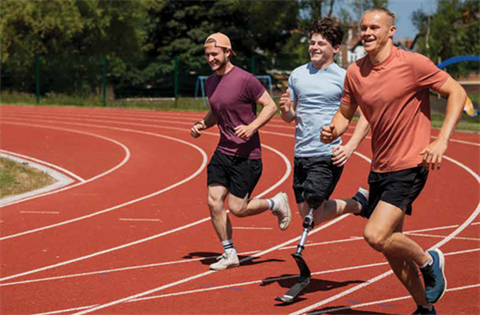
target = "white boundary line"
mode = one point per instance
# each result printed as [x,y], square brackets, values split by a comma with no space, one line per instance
[379,277]
[265,281]
[286,175]
[185,261]
[126,158]
[160,119]
[126,299]
[126,203]
[61,179]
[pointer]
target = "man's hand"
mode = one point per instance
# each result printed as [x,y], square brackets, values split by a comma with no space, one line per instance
[433,154]
[341,154]
[197,128]
[285,104]
[244,132]
[327,134]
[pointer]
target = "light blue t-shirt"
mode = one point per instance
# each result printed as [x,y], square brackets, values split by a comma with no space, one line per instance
[318,94]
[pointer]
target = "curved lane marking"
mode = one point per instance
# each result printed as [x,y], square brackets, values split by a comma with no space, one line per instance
[125,159]
[149,119]
[383,275]
[204,156]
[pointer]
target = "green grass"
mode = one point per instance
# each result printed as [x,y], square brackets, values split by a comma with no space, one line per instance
[16,178]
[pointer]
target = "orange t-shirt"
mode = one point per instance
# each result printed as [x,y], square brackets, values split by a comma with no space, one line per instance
[394,97]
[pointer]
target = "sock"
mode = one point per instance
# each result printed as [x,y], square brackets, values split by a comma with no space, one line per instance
[271,204]
[228,245]
[428,263]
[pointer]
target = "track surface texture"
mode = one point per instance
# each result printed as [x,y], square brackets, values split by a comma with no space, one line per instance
[132,235]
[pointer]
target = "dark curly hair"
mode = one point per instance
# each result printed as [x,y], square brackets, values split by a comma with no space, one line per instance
[330,30]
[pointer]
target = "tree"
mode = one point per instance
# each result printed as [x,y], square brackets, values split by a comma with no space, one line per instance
[454,30]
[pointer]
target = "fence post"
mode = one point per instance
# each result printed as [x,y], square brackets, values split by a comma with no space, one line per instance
[104,80]
[175,92]
[37,78]
[252,65]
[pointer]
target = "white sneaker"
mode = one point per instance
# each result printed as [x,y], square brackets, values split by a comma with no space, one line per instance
[282,210]
[227,260]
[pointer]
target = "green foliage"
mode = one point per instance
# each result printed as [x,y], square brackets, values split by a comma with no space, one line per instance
[453,31]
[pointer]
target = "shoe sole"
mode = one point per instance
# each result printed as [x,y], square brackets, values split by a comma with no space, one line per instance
[441,263]
[228,267]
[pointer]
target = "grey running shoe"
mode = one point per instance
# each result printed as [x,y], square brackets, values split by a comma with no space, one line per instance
[227,260]
[281,209]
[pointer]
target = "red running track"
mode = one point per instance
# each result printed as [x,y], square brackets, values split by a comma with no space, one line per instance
[133,236]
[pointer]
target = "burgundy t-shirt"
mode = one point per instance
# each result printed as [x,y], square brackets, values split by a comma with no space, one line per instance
[232,100]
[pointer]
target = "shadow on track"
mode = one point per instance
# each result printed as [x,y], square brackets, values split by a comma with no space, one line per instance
[211,257]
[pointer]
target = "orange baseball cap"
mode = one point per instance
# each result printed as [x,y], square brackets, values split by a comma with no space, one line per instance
[221,40]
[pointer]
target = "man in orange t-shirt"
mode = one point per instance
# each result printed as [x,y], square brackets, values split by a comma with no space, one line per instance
[391,87]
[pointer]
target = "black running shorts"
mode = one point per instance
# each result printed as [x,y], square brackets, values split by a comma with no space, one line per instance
[314,179]
[238,175]
[399,188]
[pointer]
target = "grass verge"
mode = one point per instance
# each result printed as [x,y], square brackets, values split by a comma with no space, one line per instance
[16,178]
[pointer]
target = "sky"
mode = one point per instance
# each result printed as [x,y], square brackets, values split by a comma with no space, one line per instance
[404,9]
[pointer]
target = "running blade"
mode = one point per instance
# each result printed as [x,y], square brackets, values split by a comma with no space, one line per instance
[294,291]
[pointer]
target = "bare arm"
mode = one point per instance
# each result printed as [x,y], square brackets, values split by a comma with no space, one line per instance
[456,98]
[287,107]
[339,123]
[341,154]
[267,112]
[208,121]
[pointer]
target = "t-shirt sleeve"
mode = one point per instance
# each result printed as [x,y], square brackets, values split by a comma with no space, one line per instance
[347,97]
[253,88]
[293,95]
[427,74]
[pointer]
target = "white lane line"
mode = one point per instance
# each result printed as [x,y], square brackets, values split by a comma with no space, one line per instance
[30,159]
[336,309]
[119,269]
[251,228]
[210,272]
[204,156]
[270,280]
[173,263]
[126,158]
[40,212]
[441,236]
[379,277]
[475,223]
[67,310]
[161,119]
[140,220]
[286,175]
[197,276]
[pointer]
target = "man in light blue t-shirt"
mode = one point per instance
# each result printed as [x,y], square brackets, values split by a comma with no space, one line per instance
[312,99]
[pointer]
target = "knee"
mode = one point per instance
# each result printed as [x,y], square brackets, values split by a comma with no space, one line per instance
[215,205]
[237,210]
[375,239]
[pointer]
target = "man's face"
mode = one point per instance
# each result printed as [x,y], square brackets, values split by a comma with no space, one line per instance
[321,50]
[216,57]
[375,30]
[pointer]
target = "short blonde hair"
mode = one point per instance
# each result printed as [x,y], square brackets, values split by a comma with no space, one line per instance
[383,10]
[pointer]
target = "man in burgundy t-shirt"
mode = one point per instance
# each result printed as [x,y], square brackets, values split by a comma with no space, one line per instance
[236,165]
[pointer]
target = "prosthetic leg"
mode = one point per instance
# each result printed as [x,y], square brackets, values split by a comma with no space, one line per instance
[305,275]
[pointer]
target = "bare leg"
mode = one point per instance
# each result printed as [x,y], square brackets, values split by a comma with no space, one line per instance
[330,209]
[221,222]
[383,232]
[244,207]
